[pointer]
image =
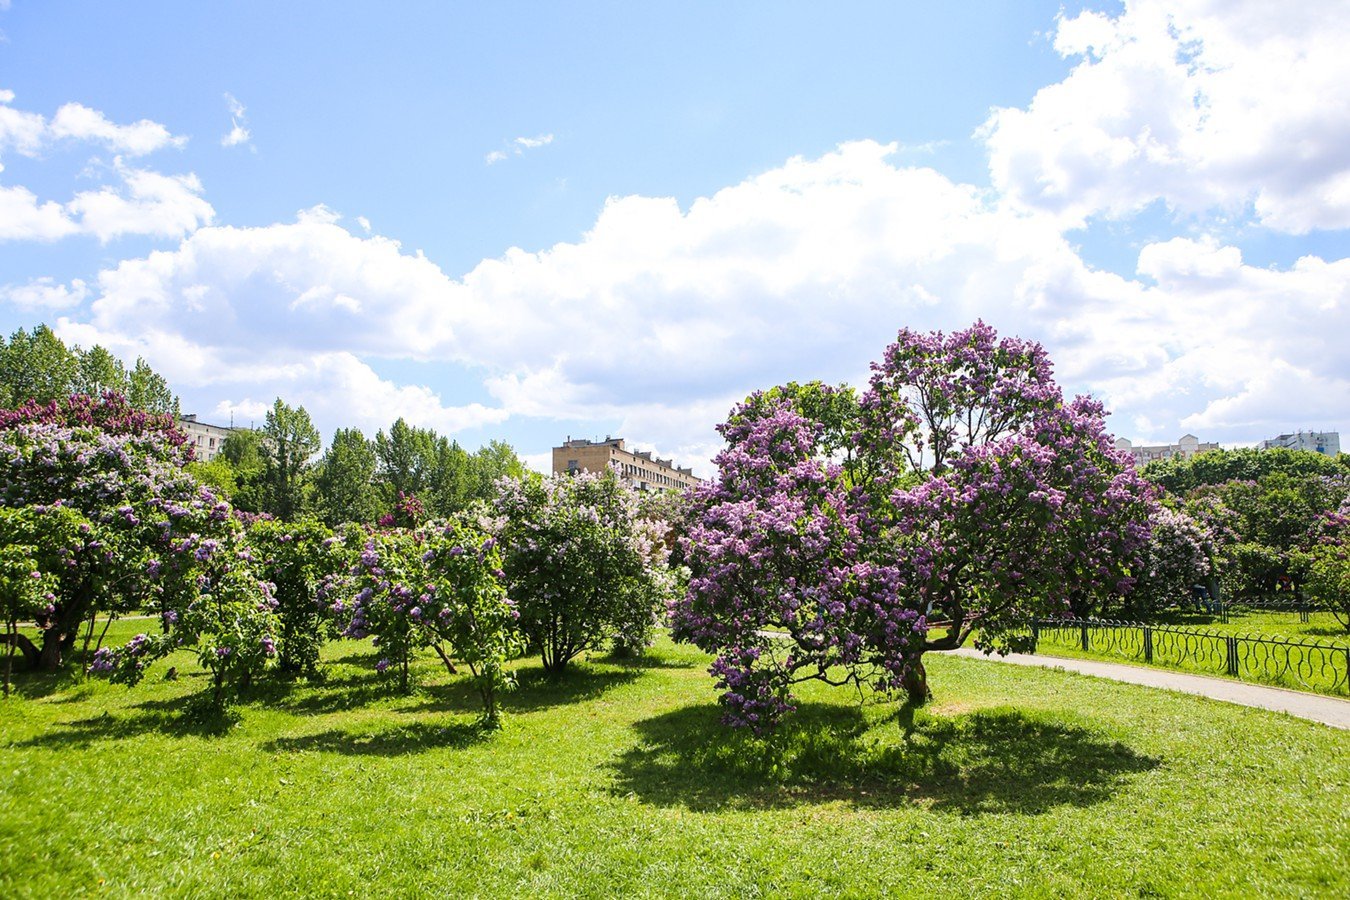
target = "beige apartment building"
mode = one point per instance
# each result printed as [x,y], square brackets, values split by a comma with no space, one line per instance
[642,470]
[1188,446]
[207,439]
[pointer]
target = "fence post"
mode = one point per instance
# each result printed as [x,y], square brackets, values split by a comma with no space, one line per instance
[1085,637]
[1233,656]
[1148,644]
[1035,635]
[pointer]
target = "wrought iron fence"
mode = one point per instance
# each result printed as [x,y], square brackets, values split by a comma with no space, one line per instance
[1277,603]
[1318,666]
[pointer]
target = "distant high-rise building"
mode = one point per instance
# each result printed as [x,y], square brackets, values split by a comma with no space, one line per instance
[1325,442]
[642,470]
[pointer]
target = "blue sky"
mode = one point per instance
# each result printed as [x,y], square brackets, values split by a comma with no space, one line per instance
[527,221]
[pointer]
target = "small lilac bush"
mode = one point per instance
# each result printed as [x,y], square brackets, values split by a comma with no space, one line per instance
[1328,564]
[296,558]
[230,620]
[439,586]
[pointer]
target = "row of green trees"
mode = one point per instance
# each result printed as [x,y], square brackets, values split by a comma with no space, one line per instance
[277,470]
[38,366]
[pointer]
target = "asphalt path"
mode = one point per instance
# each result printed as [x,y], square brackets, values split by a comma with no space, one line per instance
[1316,707]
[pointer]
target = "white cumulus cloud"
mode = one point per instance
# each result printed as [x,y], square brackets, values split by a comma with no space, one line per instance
[75,121]
[147,203]
[1206,105]
[660,317]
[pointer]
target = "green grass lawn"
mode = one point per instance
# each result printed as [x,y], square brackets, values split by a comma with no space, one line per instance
[619,781]
[1321,626]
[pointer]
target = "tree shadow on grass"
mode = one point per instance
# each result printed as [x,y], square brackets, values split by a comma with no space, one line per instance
[644,661]
[181,717]
[535,690]
[991,761]
[399,741]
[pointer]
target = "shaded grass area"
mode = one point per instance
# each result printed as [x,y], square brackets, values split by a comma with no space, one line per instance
[620,780]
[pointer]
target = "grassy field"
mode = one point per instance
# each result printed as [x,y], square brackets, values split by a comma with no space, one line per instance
[620,781]
[1321,626]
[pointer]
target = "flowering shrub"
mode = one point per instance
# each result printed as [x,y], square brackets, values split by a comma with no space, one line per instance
[1179,554]
[438,587]
[296,558]
[232,624]
[145,519]
[578,564]
[960,489]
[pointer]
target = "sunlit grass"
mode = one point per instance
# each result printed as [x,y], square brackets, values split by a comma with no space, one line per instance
[620,781]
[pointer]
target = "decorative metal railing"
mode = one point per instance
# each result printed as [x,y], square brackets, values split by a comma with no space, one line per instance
[1290,662]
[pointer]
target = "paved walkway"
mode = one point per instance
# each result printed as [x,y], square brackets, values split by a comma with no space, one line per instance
[1317,707]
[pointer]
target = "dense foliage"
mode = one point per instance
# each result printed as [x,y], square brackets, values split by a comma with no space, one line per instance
[143,517]
[439,586]
[38,367]
[582,564]
[1179,475]
[960,488]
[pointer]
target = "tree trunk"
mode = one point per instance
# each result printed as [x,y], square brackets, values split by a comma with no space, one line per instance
[915,683]
[49,658]
[11,628]
[445,658]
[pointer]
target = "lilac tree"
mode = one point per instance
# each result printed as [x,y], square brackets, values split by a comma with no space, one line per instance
[34,543]
[968,497]
[578,565]
[439,587]
[143,515]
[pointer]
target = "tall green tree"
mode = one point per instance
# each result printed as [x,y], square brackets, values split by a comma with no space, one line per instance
[407,460]
[241,454]
[147,390]
[97,371]
[37,366]
[492,462]
[289,441]
[345,480]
